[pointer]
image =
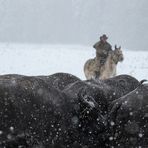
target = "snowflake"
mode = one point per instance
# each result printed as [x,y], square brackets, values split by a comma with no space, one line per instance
[111,138]
[112,123]
[1,132]
[11,128]
[140,135]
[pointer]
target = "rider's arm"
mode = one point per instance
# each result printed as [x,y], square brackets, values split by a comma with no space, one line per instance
[96,45]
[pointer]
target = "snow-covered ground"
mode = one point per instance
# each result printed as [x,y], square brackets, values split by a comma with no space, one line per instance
[41,59]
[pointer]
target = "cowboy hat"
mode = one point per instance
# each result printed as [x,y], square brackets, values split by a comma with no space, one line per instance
[104,37]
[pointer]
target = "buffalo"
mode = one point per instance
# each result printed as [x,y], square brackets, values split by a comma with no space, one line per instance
[36,114]
[59,80]
[59,110]
[129,119]
[102,91]
[115,87]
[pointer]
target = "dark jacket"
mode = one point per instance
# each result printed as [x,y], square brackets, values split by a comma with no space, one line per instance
[102,48]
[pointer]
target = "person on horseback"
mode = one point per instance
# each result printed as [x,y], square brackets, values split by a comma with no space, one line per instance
[103,48]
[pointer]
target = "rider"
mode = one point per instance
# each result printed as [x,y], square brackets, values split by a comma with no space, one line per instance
[102,50]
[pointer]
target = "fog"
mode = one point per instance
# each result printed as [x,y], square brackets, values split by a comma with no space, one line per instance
[75,22]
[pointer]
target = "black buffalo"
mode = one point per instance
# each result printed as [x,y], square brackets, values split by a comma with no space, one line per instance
[58,110]
[114,88]
[102,91]
[36,114]
[59,80]
[129,119]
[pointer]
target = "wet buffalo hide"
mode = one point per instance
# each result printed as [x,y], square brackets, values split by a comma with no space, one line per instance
[129,119]
[36,114]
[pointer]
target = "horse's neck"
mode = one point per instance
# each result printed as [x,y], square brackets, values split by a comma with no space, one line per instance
[111,61]
[108,68]
[113,58]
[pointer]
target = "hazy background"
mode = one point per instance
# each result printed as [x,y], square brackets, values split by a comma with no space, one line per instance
[75,22]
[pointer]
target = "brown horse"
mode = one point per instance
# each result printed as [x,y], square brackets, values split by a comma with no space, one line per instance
[104,71]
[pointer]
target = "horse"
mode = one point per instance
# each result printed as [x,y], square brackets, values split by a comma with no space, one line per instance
[108,69]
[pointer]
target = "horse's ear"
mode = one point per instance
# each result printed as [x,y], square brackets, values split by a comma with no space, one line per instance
[119,47]
[115,46]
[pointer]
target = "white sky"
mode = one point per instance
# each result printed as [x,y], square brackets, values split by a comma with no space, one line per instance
[75,21]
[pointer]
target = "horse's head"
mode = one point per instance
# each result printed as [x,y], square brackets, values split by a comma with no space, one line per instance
[118,54]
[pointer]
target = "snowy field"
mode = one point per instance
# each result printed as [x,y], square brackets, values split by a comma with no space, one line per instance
[40,59]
